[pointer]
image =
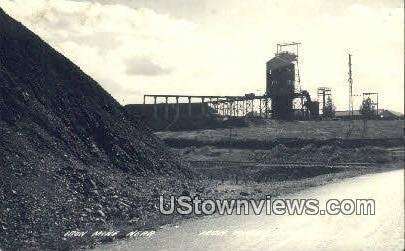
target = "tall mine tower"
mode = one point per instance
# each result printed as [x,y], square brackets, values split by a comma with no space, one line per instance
[280,82]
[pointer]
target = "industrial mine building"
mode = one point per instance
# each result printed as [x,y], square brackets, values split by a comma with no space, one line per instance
[283,98]
[281,89]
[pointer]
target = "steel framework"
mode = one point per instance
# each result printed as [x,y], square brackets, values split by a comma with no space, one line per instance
[231,106]
[323,94]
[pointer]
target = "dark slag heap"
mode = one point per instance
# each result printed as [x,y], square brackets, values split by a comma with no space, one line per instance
[65,144]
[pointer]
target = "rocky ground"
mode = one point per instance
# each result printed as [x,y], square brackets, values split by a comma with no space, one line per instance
[217,182]
[230,188]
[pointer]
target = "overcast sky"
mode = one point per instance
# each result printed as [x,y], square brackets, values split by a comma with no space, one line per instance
[211,47]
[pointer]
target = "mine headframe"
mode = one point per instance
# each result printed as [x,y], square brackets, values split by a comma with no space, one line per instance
[281,80]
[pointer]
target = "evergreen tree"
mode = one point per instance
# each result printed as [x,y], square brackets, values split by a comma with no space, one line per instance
[367,108]
[329,111]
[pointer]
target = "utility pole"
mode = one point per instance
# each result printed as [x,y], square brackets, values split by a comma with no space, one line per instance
[350,87]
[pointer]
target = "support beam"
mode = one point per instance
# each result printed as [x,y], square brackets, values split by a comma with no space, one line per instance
[202,106]
[377,104]
[167,108]
[260,107]
[155,111]
[177,108]
[189,106]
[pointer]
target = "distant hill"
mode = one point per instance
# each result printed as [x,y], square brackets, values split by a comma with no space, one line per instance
[65,144]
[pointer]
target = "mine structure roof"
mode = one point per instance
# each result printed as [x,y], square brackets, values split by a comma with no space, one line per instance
[281,60]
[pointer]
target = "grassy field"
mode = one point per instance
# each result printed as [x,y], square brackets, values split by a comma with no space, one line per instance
[322,130]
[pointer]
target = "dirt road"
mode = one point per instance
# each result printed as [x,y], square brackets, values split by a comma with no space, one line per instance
[382,231]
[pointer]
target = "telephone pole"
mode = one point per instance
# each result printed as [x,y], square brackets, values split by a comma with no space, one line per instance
[350,87]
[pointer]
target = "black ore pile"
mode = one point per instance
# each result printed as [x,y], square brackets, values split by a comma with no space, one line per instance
[68,153]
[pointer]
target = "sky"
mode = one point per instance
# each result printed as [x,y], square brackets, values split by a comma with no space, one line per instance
[211,47]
